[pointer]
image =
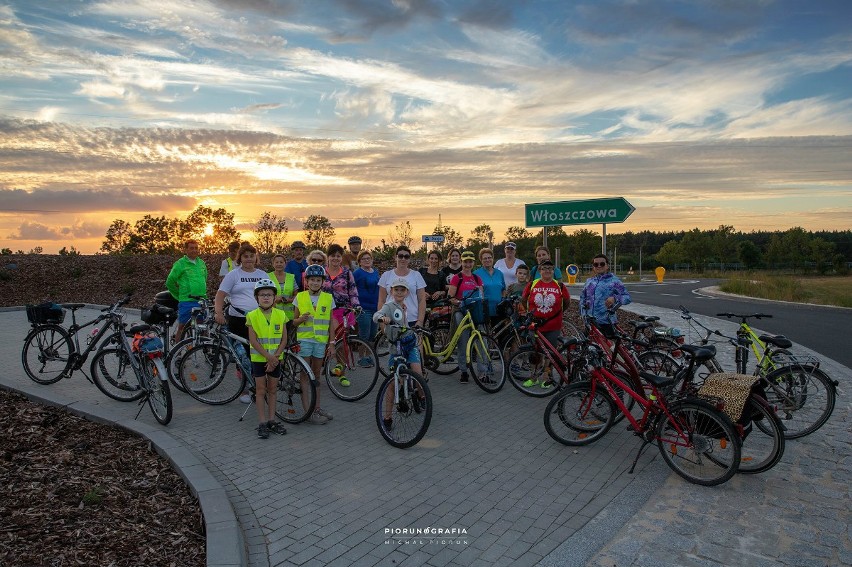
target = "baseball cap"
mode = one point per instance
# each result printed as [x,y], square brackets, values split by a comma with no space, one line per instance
[511,245]
[400,282]
[297,244]
[468,255]
[546,263]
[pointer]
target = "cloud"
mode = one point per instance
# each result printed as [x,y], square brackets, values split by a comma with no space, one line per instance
[36,231]
[50,201]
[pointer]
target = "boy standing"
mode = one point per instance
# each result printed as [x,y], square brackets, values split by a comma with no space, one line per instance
[546,299]
[268,339]
[314,324]
[517,289]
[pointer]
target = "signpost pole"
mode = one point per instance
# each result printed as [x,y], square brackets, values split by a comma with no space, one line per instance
[544,236]
[603,239]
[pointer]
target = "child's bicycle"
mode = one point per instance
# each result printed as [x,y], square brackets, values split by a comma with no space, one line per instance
[205,370]
[403,402]
[353,371]
[540,368]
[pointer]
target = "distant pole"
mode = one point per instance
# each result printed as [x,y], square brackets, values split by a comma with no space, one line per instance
[544,236]
[603,240]
[640,261]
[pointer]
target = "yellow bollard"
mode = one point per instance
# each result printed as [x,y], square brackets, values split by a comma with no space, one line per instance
[661,272]
[571,270]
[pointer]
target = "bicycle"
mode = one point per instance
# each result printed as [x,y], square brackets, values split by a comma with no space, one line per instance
[532,366]
[204,371]
[352,372]
[695,439]
[194,331]
[403,402]
[438,318]
[801,393]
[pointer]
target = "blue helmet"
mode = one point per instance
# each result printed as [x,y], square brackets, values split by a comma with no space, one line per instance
[314,271]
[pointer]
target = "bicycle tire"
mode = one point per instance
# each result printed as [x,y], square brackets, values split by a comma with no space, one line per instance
[659,362]
[763,439]
[159,394]
[569,330]
[113,375]
[439,340]
[803,397]
[172,361]
[528,364]
[296,399]
[362,379]
[382,349]
[706,451]
[487,365]
[409,420]
[205,373]
[47,345]
[579,414]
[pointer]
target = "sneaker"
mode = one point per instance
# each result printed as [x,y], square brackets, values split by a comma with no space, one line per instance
[263,431]
[276,427]
[344,381]
[338,371]
[317,419]
[245,398]
[530,383]
[464,378]
[546,385]
[325,414]
[366,362]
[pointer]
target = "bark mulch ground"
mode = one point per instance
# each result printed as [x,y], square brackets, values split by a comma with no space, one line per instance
[80,493]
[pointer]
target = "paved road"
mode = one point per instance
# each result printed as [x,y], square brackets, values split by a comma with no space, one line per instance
[336,494]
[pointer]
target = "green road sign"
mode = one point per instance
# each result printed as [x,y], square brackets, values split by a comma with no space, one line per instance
[592,211]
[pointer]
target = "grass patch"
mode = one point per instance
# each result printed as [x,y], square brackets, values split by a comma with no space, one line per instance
[832,290]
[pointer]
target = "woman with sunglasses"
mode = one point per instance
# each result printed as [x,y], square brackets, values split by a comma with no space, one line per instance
[415,301]
[600,293]
[316,257]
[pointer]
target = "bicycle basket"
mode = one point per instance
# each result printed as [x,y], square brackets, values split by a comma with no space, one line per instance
[476,307]
[440,312]
[44,313]
[147,343]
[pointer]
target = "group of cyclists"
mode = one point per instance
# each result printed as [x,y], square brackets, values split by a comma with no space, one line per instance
[312,292]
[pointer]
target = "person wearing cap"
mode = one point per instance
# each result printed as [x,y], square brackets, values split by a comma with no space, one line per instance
[545,299]
[415,301]
[542,254]
[350,258]
[297,264]
[464,285]
[600,293]
[509,265]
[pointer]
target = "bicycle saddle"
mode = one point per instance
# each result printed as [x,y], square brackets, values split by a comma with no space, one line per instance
[658,381]
[140,328]
[778,340]
[643,325]
[699,353]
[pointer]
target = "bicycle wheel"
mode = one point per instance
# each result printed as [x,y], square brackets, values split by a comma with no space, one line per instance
[699,443]
[208,376]
[580,414]
[763,437]
[439,340]
[381,347]
[113,375]
[359,365]
[172,361]
[803,397]
[529,371]
[659,362]
[157,384]
[569,330]
[487,366]
[47,354]
[403,416]
[297,390]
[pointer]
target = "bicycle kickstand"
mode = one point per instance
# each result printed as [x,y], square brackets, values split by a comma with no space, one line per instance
[251,403]
[141,405]
[645,443]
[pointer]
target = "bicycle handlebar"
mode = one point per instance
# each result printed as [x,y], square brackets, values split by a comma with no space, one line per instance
[745,317]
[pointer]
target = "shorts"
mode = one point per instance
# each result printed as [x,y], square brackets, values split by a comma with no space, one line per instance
[185,311]
[309,348]
[411,357]
[258,370]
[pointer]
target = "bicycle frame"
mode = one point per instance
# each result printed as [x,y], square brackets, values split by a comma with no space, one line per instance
[450,348]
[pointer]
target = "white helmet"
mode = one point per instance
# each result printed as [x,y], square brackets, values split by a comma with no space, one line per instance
[265,283]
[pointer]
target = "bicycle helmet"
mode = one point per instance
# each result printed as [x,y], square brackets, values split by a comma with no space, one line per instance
[354,240]
[265,284]
[314,271]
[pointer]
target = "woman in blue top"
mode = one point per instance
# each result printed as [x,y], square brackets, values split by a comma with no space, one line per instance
[367,282]
[600,293]
[493,283]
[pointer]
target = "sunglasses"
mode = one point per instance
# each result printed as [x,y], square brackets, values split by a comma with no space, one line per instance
[598,264]
[403,256]
[316,260]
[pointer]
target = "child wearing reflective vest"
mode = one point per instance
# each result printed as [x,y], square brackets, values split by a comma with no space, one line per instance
[268,339]
[314,325]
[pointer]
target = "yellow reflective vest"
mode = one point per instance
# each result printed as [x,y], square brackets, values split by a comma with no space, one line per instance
[317,328]
[287,289]
[268,331]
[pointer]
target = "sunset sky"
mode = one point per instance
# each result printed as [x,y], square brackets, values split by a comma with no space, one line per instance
[373,112]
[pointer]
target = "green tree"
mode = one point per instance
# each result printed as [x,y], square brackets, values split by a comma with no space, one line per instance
[696,247]
[154,235]
[585,246]
[318,232]
[480,237]
[117,237]
[724,244]
[452,239]
[270,233]
[36,250]
[197,225]
[517,233]
[671,253]
[748,254]
[401,234]
[65,252]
